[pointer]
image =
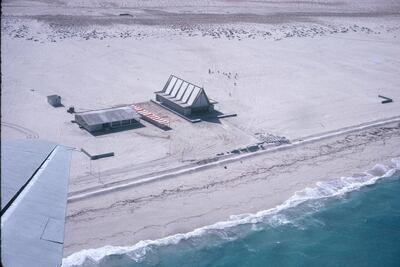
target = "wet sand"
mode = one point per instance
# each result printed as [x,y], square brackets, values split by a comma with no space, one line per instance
[296,69]
[186,202]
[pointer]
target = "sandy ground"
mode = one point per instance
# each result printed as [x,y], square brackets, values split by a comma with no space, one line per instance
[287,68]
[183,203]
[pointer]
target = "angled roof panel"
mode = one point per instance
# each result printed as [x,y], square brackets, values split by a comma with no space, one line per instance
[182,90]
[186,96]
[176,88]
[194,95]
[171,84]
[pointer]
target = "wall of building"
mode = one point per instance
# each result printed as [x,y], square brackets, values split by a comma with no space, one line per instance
[201,103]
[81,122]
[100,127]
[95,128]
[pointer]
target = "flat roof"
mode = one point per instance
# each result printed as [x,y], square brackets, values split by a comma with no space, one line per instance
[96,117]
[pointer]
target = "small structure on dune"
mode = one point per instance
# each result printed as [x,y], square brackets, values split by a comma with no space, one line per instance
[54,100]
[184,97]
[107,119]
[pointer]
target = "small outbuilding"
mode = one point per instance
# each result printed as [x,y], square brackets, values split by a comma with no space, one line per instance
[184,97]
[54,100]
[107,119]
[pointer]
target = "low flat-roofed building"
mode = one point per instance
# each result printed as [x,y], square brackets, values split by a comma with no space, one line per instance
[106,119]
[184,97]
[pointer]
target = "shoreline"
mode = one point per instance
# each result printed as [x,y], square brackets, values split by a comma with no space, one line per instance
[199,166]
[309,72]
[348,185]
[203,198]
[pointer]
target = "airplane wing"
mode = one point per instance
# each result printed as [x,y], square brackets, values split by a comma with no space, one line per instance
[34,187]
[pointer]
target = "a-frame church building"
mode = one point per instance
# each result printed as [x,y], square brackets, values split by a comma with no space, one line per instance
[184,97]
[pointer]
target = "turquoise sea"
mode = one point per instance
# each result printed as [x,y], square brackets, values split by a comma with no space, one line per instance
[349,222]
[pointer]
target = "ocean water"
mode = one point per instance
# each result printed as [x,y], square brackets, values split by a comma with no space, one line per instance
[351,221]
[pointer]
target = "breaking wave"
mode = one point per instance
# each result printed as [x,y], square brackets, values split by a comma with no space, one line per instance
[278,215]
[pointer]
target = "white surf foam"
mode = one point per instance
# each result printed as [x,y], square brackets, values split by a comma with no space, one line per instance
[326,189]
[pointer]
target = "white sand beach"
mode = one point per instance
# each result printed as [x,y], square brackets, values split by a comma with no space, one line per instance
[296,69]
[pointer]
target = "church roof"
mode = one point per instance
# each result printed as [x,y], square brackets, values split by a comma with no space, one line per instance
[184,93]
